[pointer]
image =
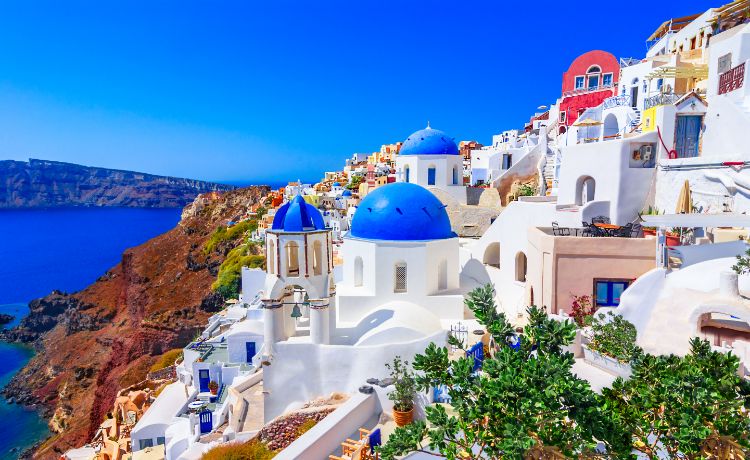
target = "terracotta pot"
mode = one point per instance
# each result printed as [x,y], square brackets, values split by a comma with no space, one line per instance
[673,240]
[649,231]
[403,418]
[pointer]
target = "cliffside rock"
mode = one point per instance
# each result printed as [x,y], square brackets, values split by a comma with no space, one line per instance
[93,342]
[41,183]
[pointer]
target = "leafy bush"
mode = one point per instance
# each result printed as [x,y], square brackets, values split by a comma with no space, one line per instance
[354,184]
[306,426]
[614,336]
[224,234]
[743,264]
[406,388]
[526,190]
[166,360]
[230,272]
[251,450]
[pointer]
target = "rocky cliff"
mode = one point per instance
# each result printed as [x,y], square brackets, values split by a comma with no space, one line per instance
[93,342]
[42,184]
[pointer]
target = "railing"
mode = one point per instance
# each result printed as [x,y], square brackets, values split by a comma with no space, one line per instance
[616,101]
[661,99]
[587,90]
[732,79]
[627,62]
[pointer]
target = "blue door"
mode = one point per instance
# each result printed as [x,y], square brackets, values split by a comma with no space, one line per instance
[430,176]
[250,348]
[206,422]
[203,380]
[688,135]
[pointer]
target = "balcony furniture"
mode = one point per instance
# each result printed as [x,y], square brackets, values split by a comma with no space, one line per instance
[559,231]
[625,231]
[607,229]
[635,230]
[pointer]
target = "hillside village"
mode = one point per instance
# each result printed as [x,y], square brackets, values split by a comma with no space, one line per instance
[628,195]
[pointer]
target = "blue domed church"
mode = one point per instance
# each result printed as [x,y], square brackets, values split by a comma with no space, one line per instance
[400,249]
[430,158]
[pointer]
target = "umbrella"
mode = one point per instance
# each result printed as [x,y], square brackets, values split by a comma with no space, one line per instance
[685,201]
[587,122]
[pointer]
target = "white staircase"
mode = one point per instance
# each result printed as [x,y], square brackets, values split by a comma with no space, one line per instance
[635,123]
[549,171]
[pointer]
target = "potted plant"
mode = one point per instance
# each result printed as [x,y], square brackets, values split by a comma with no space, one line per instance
[651,211]
[612,344]
[582,310]
[673,238]
[404,392]
[213,387]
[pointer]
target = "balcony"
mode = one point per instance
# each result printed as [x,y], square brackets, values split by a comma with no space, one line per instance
[595,89]
[661,99]
[617,101]
[732,79]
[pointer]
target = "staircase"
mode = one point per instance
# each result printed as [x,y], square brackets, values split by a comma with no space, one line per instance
[550,166]
[635,123]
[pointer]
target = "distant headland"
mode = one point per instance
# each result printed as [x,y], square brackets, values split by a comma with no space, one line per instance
[45,184]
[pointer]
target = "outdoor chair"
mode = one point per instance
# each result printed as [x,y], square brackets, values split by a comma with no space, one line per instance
[559,231]
[586,230]
[635,230]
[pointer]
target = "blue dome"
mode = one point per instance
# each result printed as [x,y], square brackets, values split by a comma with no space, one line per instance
[298,216]
[346,193]
[429,141]
[336,184]
[401,212]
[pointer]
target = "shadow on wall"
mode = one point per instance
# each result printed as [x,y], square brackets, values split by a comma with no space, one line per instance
[476,270]
[351,335]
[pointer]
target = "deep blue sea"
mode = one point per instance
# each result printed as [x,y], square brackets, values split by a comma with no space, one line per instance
[64,249]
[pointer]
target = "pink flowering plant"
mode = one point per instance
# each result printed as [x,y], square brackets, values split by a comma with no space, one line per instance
[582,310]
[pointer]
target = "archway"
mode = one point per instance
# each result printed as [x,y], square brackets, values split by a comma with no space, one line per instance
[271,257]
[585,190]
[292,258]
[521,267]
[317,258]
[611,128]
[723,328]
[492,255]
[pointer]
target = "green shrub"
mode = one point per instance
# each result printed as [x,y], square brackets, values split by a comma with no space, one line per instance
[251,450]
[614,336]
[306,426]
[224,234]
[166,360]
[230,272]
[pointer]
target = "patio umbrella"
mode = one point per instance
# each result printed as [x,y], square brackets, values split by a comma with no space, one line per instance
[588,123]
[685,200]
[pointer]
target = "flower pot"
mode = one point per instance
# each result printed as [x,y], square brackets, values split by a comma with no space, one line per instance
[673,240]
[649,232]
[213,391]
[403,418]
[606,363]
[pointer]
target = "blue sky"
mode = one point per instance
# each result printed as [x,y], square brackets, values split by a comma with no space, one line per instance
[257,91]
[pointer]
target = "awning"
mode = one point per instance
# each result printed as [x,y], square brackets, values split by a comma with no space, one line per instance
[727,219]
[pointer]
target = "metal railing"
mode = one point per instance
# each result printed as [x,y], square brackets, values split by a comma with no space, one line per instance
[661,99]
[627,62]
[578,91]
[616,101]
[732,79]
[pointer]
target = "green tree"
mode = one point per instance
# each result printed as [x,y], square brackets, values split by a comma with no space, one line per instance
[675,404]
[522,399]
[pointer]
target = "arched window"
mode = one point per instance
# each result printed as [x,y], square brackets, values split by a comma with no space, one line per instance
[358,271]
[455,175]
[585,190]
[399,277]
[317,258]
[594,69]
[521,267]
[292,258]
[443,275]
[431,175]
[271,257]
[406,173]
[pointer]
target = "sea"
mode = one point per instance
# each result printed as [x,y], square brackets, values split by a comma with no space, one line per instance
[65,249]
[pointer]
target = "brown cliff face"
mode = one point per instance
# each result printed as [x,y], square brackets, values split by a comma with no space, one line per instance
[106,337]
[44,184]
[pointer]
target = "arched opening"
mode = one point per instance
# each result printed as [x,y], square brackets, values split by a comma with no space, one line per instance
[593,77]
[455,175]
[634,93]
[594,69]
[563,130]
[358,271]
[492,255]
[317,258]
[292,258]
[723,329]
[521,267]
[443,275]
[611,128]
[406,173]
[585,189]
[399,277]
[531,296]
[271,257]
[431,175]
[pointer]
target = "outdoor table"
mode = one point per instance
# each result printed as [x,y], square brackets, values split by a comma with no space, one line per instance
[609,229]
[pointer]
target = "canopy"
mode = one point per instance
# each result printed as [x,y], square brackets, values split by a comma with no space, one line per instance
[587,122]
[685,200]
[725,219]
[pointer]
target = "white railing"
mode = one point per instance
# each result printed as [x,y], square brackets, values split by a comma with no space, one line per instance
[578,91]
[616,101]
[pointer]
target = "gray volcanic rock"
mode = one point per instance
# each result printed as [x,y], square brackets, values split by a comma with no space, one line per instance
[45,184]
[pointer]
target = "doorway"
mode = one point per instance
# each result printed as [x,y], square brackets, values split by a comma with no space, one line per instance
[687,135]
[203,379]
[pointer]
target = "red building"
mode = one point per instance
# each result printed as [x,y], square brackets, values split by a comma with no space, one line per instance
[591,78]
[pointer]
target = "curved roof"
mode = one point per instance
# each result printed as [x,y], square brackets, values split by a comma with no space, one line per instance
[429,141]
[298,216]
[401,211]
[346,193]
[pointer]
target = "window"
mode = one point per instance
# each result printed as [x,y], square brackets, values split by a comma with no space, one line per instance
[645,86]
[160,441]
[399,283]
[507,160]
[725,63]
[593,82]
[292,259]
[406,173]
[608,292]
[659,84]
[431,175]
[317,258]
[143,443]
[562,117]
[607,79]
[594,69]
[271,258]
[521,267]
[358,271]
[455,175]
[579,82]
